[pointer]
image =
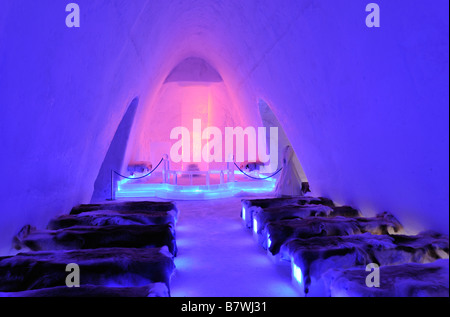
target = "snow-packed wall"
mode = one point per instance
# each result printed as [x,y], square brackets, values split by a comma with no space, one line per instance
[366,109]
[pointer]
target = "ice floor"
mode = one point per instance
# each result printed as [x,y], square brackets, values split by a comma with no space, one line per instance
[217,256]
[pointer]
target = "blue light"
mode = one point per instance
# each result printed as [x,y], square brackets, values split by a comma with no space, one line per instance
[297,273]
[243,213]
[255,225]
[269,241]
[127,188]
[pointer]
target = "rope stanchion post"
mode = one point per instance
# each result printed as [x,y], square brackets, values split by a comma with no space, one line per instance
[166,169]
[221,177]
[112,185]
[230,168]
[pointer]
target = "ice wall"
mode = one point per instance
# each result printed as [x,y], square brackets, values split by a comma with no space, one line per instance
[366,109]
[63,94]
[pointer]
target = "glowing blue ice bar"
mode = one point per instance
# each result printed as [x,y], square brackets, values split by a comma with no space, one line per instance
[255,226]
[297,273]
[128,188]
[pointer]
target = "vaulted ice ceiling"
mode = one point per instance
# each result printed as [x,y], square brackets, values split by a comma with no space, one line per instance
[366,110]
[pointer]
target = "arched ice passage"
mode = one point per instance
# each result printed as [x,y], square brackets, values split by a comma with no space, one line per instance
[365,109]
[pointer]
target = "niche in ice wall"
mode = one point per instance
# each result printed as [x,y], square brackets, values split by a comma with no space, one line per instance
[193,90]
[115,155]
[269,119]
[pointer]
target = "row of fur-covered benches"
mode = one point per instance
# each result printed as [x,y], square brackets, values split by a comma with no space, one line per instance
[122,249]
[334,250]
